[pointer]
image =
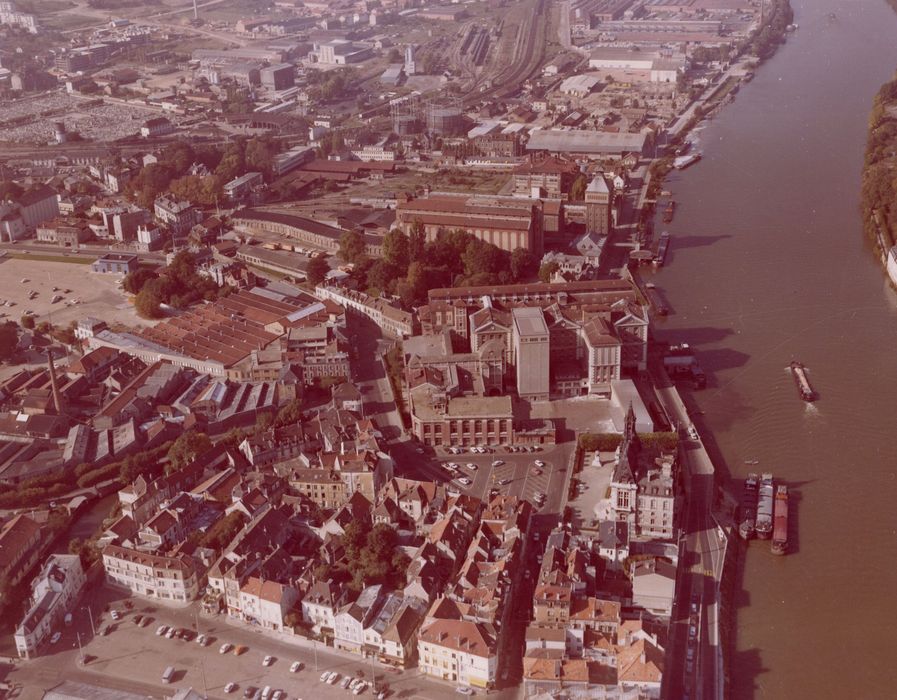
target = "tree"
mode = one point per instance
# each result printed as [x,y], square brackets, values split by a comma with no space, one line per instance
[27,321]
[263,421]
[134,281]
[578,188]
[260,154]
[523,264]
[351,246]
[187,448]
[394,56]
[289,414]
[10,190]
[417,242]
[547,270]
[9,338]
[148,303]
[381,277]
[317,270]
[397,249]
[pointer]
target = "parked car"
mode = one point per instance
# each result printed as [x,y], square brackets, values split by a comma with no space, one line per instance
[472,466]
[268,660]
[230,687]
[162,629]
[347,681]
[325,676]
[497,463]
[116,615]
[464,480]
[360,688]
[535,471]
[250,691]
[539,463]
[240,649]
[202,640]
[334,678]
[138,619]
[172,633]
[295,666]
[504,482]
[56,637]
[224,648]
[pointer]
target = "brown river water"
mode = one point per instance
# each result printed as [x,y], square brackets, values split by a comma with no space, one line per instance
[768,263]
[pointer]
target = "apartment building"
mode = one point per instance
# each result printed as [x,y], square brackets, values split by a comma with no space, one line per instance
[458,651]
[167,579]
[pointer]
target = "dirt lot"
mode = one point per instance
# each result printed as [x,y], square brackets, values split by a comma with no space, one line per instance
[97,294]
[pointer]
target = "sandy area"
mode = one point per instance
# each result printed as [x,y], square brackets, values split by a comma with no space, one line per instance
[98,294]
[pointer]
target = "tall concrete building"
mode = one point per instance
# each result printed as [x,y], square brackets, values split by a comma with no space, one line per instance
[532,353]
[599,200]
[410,67]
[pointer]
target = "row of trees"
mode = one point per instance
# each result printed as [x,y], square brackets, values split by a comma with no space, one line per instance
[411,265]
[767,40]
[171,173]
[879,189]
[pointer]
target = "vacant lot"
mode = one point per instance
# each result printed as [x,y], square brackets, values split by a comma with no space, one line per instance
[96,295]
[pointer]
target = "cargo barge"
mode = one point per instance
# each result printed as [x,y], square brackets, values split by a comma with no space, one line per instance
[779,543]
[683,162]
[748,508]
[662,247]
[764,507]
[669,211]
[799,372]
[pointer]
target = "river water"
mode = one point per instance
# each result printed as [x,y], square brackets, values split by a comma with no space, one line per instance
[768,263]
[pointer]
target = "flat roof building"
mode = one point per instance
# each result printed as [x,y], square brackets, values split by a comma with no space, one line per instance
[532,353]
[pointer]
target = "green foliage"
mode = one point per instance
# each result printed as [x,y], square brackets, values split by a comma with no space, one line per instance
[547,270]
[197,189]
[27,321]
[351,246]
[222,533]
[578,188]
[600,442]
[134,281]
[879,183]
[9,338]
[317,270]
[524,264]
[289,414]
[373,556]
[65,335]
[147,303]
[186,448]
[655,443]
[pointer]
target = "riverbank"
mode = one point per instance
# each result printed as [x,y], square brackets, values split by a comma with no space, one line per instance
[879,187]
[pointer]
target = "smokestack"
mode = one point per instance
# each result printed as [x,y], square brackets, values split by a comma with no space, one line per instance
[57,399]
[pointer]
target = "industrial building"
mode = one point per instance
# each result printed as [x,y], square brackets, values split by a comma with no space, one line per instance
[278,77]
[588,144]
[531,351]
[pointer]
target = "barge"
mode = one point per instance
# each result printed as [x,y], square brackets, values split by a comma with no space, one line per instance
[779,543]
[669,211]
[799,372]
[764,507]
[683,162]
[663,245]
[748,508]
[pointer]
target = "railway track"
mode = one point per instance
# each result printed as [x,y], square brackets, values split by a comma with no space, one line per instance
[527,58]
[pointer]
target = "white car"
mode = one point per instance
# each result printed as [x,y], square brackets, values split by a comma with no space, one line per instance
[161,630]
[334,678]
[360,688]
[497,463]
[116,615]
[230,687]
[56,637]
[172,633]
[539,463]
[268,660]
[464,480]
[224,648]
[472,466]
[202,640]
[295,666]
[325,676]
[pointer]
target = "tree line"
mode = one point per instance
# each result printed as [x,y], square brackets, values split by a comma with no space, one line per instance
[879,183]
[411,265]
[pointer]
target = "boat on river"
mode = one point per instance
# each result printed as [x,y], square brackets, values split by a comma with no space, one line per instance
[663,243]
[779,543]
[748,508]
[799,372]
[669,211]
[683,162]
[765,499]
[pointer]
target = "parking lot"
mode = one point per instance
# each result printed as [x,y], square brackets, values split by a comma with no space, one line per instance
[133,658]
[500,471]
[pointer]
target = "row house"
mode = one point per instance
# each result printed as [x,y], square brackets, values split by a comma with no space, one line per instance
[267,603]
[458,651]
[164,578]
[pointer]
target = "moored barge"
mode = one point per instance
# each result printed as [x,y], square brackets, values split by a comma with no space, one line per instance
[764,507]
[779,543]
[748,507]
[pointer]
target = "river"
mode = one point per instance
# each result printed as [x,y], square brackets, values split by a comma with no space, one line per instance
[768,263]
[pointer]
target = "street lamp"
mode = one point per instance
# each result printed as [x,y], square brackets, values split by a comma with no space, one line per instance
[90,614]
